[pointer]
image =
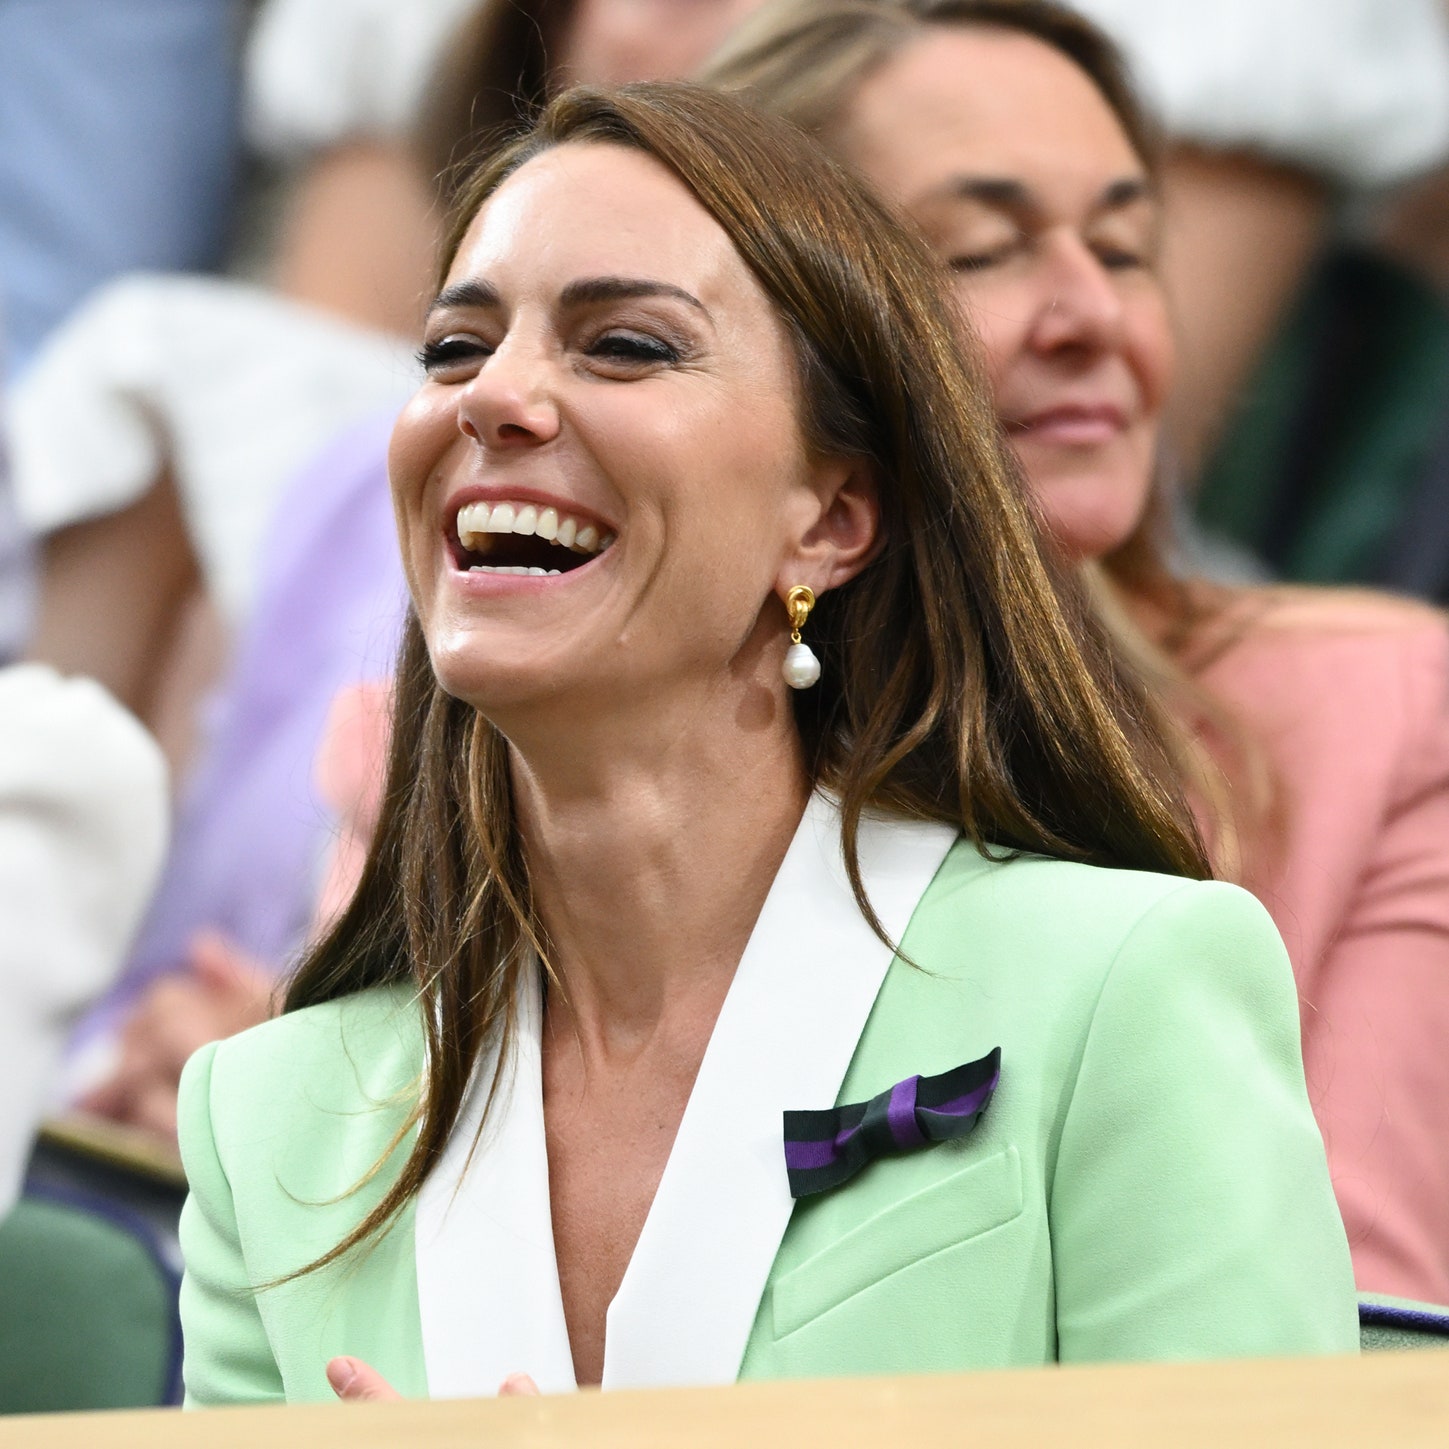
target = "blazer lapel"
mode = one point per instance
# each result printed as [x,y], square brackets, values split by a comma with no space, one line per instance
[488,1290]
[785,1037]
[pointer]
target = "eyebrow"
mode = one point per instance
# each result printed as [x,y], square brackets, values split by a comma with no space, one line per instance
[1005,194]
[620,289]
[465,294]
[582,293]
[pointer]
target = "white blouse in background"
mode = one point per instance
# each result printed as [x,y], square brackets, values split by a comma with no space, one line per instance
[1355,90]
[83,825]
[323,71]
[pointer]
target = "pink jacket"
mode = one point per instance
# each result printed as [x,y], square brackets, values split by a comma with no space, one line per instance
[1349,694]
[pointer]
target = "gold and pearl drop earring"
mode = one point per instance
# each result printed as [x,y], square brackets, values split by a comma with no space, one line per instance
[801,668]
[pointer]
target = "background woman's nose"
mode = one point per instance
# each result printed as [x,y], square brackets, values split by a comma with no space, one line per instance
[1080,304]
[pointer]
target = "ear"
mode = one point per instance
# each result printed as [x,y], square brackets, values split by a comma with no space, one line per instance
[843,533]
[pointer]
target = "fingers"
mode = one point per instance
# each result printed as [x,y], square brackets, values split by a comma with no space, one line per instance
[356,1382]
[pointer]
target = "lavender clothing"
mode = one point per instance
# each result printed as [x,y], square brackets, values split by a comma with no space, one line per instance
[249,844]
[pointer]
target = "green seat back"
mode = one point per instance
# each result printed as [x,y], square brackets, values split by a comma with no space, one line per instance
[87,1311]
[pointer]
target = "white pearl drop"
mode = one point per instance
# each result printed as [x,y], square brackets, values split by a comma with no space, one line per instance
[801,668]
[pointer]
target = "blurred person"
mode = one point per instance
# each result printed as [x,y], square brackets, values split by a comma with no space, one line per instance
[118,149]
[734,660]
[83,824]
[1311,728]
[1310,418]
[1274,111]
[322,606]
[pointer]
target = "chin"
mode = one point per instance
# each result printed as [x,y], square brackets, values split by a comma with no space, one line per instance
[494,680]
[1090,515]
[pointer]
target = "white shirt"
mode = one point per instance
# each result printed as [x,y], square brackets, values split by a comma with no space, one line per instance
[323,71]
[684,1311]
[1355,90]
[234,387]
[83,826]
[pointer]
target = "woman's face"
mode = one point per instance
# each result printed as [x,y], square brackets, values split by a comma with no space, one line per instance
[1026,186]
[613,42]
[602,479]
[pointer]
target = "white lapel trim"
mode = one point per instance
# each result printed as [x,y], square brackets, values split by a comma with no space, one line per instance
[488,1291]
[785,1038]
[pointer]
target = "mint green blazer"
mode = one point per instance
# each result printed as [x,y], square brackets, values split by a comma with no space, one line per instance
[1147,1183]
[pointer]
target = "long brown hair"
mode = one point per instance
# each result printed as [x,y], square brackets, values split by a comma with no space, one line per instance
[805,60]
[962,682]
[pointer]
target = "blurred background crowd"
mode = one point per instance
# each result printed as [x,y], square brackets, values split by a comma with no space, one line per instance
[217,220]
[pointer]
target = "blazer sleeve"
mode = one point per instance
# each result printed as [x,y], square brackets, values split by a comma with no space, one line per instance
[228,1358]
[1190,1206]
[1377,1010]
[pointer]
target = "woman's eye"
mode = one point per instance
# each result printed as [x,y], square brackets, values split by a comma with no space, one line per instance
[450,352]
[978,258]
[973,261]
[633,347]
[1119,259]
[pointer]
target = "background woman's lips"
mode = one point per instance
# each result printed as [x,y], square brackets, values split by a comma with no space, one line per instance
[1071,427]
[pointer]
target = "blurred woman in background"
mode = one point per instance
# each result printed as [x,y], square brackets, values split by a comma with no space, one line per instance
[1310,728]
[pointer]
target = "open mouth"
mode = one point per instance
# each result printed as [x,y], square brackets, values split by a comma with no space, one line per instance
[521,538]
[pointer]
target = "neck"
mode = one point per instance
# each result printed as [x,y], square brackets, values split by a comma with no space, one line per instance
[652,837]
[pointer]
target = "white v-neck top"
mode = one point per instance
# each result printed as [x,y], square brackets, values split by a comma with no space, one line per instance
[488,1285]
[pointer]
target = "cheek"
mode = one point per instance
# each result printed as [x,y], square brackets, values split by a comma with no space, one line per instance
[996,321]
[1151,351]
[425,430]
[419,439]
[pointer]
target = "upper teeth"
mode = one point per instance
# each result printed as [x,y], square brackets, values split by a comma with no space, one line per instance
[477,520]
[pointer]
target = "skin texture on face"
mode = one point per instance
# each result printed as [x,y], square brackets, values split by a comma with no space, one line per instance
[613,42]
[601,349]
[1026,186]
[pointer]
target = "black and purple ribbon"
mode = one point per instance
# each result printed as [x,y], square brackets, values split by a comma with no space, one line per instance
[826,1148]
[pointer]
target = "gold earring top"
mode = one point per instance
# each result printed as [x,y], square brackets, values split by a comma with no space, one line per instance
[798,604]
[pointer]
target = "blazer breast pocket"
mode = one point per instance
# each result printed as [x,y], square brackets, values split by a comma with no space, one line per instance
[966,1204]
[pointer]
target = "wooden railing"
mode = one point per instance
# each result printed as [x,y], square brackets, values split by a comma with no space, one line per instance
[1399,1400]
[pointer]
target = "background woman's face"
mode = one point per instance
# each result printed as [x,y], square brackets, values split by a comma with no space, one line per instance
[1026,186]
[603,472]
[613,42]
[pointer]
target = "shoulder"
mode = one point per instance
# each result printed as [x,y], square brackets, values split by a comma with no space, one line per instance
[1350,665]
[75,737]
[1287,621]
[83,785]
[301,1074]
[1059,929]
[1097,904]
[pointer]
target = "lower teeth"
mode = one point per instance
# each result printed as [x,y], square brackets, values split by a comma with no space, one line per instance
[513,569]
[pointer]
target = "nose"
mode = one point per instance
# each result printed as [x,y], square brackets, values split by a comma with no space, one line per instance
[1080,305]
[509,402]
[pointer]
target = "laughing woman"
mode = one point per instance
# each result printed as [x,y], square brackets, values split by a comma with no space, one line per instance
[611,1073]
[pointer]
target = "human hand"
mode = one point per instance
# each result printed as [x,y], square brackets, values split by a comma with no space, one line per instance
[220,991]
[356,1382]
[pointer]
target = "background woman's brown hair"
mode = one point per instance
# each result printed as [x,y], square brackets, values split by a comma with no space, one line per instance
[962,681]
